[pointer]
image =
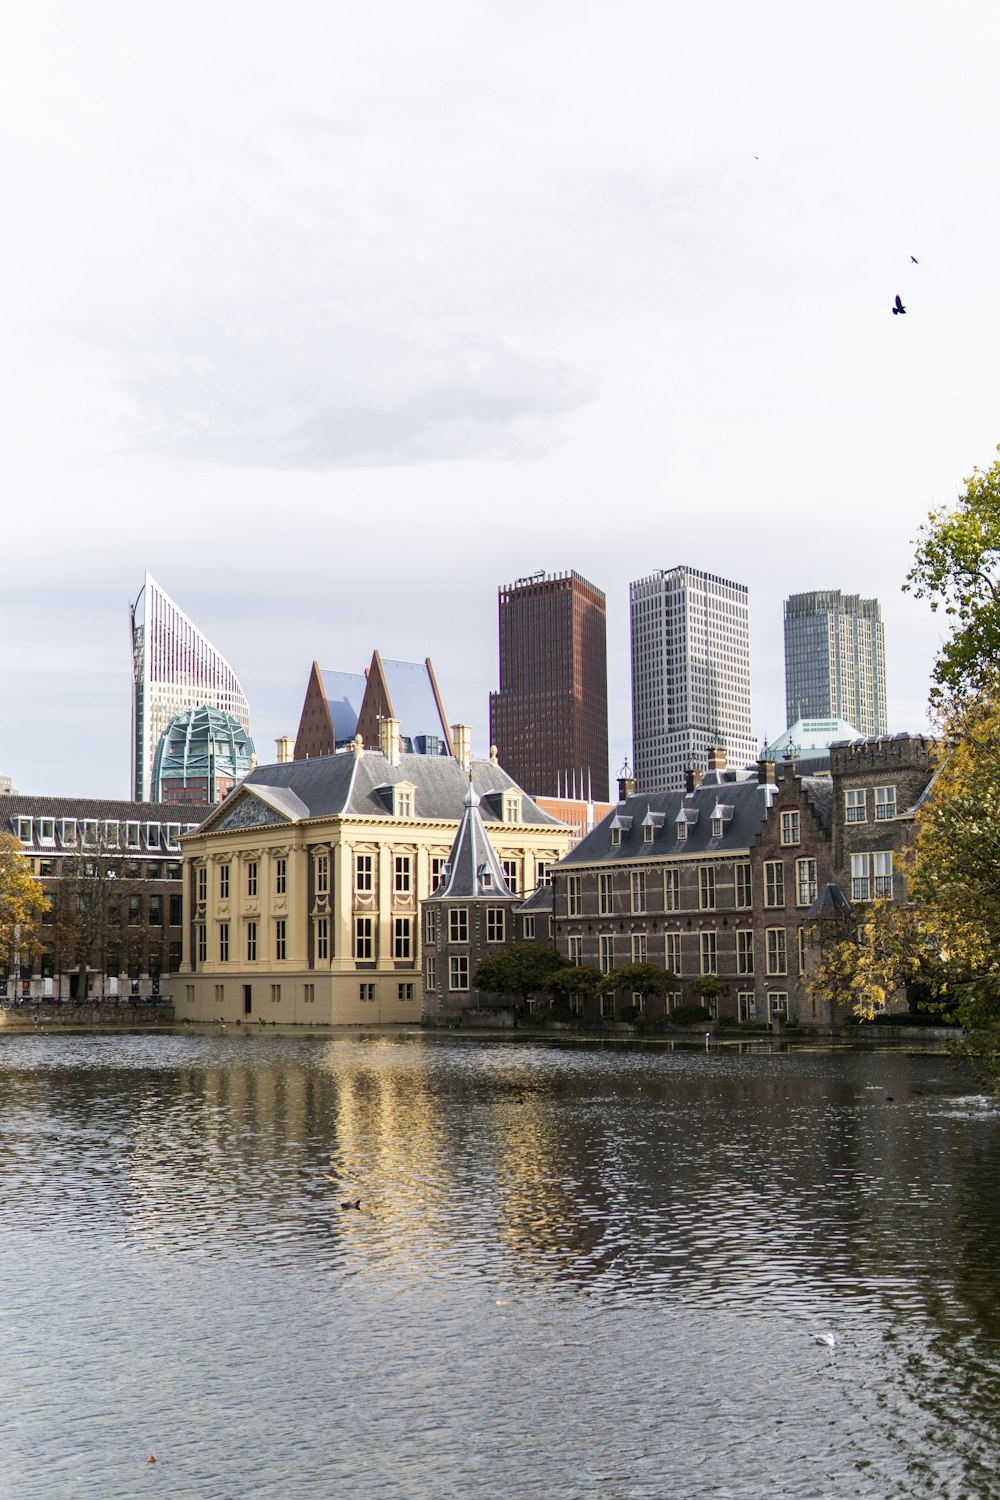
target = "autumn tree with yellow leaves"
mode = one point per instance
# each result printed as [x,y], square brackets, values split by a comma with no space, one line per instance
[22,904]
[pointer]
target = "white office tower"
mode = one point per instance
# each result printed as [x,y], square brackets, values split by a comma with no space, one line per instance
[690,675]
[174,668]
[835,659]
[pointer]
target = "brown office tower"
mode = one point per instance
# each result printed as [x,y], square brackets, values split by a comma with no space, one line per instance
[549,721]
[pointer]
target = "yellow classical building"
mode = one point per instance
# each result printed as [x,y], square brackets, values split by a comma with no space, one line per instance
[302,890]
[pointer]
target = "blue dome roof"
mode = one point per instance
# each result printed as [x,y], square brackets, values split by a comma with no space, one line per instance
[203,742]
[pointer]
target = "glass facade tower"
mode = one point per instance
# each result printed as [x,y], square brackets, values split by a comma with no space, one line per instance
[835,660]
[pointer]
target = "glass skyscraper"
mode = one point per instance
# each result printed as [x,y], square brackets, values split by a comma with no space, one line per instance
[835,660]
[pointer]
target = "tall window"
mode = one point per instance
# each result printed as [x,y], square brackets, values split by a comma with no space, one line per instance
[202,943]
[458,971]
[402,875]
[777,956]
[223,882]
[543,872]
[672,946]
[774,883]
[528,929]
[438,863]
[430,924]
[709,953]
[223,942]
[856,806]
[430,971]
[885,803]
[574,895]
[363,874]
[512,874]
[639,948]
[496,924]
[802,945]
[404,803]
[364,938]
[251,942]
[606,952]
[671,890]
[605,894]
[706,887]
[805,882]
[402,938]
[575,950]
[871,875]
[458,924]
[744,952]
[202,892]
[322,939]
[280,876]
[280,938]
[744,885]
[746,1003]
[637,890]
[251,877]
[322,874]
[790,827]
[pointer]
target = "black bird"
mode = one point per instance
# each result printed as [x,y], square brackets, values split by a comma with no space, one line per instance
[914,260]
[899,308]
[355,1204]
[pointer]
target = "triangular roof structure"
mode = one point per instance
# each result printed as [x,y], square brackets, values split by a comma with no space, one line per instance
[473,871]
[340,705]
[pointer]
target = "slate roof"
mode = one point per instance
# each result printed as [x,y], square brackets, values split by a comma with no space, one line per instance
[98,809]
[830,902]
[347,785]
[540,900]
[472,871]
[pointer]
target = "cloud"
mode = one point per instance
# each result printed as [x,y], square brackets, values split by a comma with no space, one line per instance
[346,396]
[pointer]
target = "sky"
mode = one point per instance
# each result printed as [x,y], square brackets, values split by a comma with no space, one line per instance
[336,317]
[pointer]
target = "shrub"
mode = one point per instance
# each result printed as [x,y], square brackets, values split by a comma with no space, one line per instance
[689,1015]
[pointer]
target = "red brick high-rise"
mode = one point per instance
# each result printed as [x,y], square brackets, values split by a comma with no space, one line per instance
[549,721]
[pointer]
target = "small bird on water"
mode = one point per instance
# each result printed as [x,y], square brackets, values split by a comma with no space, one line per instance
[829,1338]
[899,308]
[355,1204]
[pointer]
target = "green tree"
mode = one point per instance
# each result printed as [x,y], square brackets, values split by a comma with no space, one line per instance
[521,969]
[22,904]
[956,566]
[709,987]
[639,979]
[573,979]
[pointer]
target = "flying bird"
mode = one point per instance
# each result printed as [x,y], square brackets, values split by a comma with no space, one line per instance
[914,260]
[899,308]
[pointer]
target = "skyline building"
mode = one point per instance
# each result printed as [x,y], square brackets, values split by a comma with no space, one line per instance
[201,756]
[690,675]
[549,719]
[174,668]
[835,660]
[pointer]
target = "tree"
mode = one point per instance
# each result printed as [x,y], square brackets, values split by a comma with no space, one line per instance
[96,911]
[639,979]
[520,969]
[573,979]
[957,567]
[869,954]
[22,904]
[709,987]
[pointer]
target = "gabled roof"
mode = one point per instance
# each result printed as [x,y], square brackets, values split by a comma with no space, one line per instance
[345,692]
[472,871]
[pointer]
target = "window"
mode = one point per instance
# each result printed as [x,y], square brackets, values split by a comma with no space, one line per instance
[529,929]
[110,833]
[672,1001]
[280,877]
[438,863]
[430,924]
[223,942]
[671,890]
[405,992]
[69,831]
[402,938]
[430,971]
[637,890]
[744,951]
[364,939]
[647,833]
[401,879]
[605,894]
[496,924]
[251,877]
[251,942]
[363,879]
[746,1005]
[777,957]
[777,1002]
[458,972]
[202,885]
[543,872]
[512,874]
[802,944]
[152,835]
[805,882]
[176,911]
[856,806]
[132,837]
[716,828]
[673,953]
[706,887]
[790,827]
[681,829]
[223,882]
[366,993]
[871,875]
[574,950]
[709,953]
[276,994]
[173,835]
[220,994]
[744,885]
[403,798]
[639,948]
[156,910]
[280,938]
[574,895]
[616,836]
[458,924]
[322,939]
[511,807]
[134,910]
[202,943]
[309,993]
[885,803]
[322,874]
[774,883]
[606,952]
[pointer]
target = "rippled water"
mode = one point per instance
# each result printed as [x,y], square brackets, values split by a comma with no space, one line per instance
[578,1270]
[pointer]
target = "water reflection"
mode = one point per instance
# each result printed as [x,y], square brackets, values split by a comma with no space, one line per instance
[778,1190]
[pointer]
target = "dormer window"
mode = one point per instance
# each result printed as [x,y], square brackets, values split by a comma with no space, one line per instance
[24,830]
[88,832]
[716,828]
[402,800]
[512,807]
[47,832]
[647,833]
[173,835]
[69,832]
[132,835]
[616,835]
[152,835]
[486,879]
[681,828]
[111,833]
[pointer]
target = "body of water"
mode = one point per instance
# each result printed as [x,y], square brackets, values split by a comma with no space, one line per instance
[578,1269]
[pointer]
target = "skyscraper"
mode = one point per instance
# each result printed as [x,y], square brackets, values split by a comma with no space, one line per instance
[549,721]
[690,675]
[835,659]
[173,668]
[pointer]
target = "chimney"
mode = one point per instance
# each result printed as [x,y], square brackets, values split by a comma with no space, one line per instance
[286,749]
[388,740]
[765,772]
[716,758]
[626,786]
[692,778]
[461,738]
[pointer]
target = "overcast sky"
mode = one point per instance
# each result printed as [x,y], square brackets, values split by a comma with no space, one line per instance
[337,316]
